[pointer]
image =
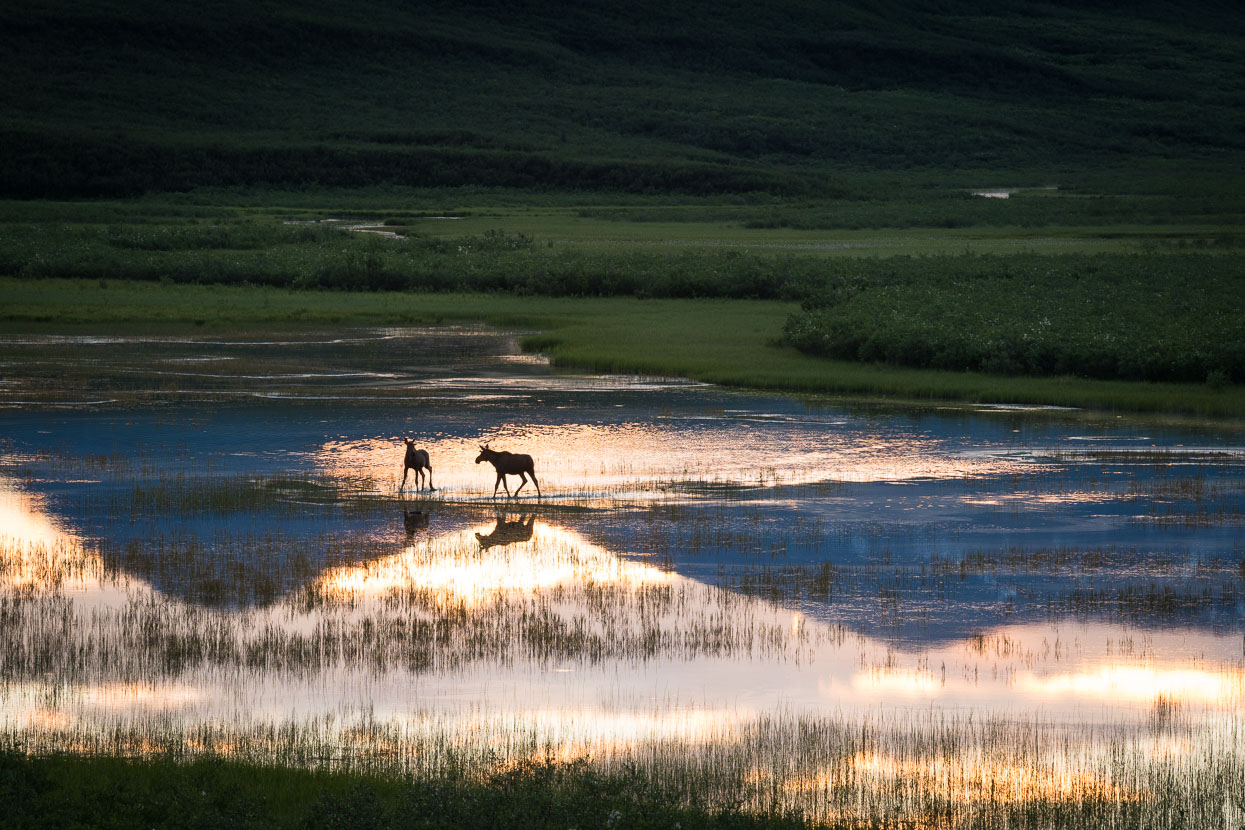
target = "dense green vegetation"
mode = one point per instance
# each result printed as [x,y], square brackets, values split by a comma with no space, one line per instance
[119,793]
[104,98]
[317,256]
[548,252]
[817,153]
[1173,318]
[1132,303]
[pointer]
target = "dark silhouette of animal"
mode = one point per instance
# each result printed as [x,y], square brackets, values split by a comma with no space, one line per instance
[507,532]
[509,464]
[414,521]
[416,460]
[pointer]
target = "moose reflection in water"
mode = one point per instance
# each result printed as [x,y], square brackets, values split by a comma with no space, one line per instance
[507,532]
[418,461]
[509,464]
[414,521]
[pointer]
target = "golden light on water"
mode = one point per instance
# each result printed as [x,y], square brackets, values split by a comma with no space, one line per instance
[1142,683]
[1110,683]
[1020,499]
[121,697]
[905,682]
[459,568]
[77,705]
[976,778]
[574,456]
[36,552]
[23,520]
[575,733]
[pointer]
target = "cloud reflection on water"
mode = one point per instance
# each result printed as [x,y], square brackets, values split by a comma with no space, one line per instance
[600,612]
[967,592]
[576,458]
[447,567]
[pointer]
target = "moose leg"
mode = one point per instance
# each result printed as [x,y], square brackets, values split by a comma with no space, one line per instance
[431,489]
[405,470]
[522,482]
[532,473]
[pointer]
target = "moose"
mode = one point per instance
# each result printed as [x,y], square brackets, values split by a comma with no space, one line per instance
[507,532]
[416,460]
[509,464]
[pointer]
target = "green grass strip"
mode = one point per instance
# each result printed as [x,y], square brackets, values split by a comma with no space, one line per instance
[121,793]
[730,342]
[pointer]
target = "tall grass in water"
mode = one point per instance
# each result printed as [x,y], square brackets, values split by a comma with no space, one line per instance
[118,677]
[925,769]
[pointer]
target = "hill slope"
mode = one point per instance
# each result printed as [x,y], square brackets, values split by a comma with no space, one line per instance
[116,98]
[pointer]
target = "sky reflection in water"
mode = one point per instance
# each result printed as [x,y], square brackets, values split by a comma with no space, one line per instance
[701,559]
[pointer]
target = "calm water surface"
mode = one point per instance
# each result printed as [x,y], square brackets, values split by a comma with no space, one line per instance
[203,548]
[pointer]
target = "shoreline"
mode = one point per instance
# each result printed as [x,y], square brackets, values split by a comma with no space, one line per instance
[721,341]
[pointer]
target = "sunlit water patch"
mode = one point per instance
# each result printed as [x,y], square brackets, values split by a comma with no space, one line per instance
[518,639]
[925,617]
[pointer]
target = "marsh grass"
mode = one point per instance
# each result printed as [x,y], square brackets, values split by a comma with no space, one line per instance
[915,770]
[1189,501]
[364,604]
[356,607]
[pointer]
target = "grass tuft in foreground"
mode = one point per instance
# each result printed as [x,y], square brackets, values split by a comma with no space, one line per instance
[118,793]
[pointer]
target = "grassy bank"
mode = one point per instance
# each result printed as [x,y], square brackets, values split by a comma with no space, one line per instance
[1139,317]
[1137,302]
[721,341]
[119,793]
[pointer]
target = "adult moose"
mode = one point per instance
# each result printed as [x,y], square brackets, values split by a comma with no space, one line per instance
[416,460]
[509,464]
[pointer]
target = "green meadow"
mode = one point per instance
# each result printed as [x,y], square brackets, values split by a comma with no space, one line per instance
[77,792]
[825,156]
[1121,316]
[728,341]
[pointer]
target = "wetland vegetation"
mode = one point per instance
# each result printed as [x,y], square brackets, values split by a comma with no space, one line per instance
[866,623]
[245,250]
[838,163]
[733,342]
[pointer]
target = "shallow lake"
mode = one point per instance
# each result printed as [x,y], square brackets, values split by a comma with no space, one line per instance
[861,611]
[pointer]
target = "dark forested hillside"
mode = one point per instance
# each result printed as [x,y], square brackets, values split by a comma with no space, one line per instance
[119,98]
